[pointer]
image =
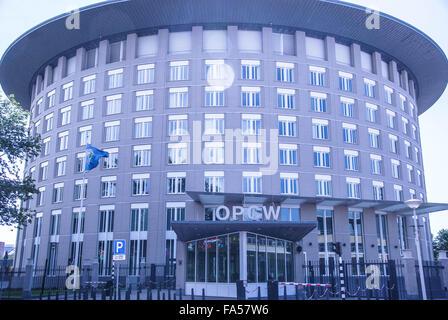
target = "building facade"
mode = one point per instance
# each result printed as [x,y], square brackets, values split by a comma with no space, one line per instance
[305,137]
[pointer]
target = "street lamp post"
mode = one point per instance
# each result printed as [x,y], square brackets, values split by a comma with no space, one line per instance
[414,204]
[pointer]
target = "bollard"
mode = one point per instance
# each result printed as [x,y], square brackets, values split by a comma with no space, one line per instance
[259,293]
[169,293]
[203,293]
[103,294]
[65,294]
[192,294]
[57,294]
[94,293]
[158,293]
[180,293]
[284,293]
[138,294]
[74,295]
[174,296]
[85,295]
[49,295]
[297,292]
[119,293]
[111,293]
[128,294]
[163,296]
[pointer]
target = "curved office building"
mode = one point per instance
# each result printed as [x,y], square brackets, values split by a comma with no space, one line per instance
[244,137]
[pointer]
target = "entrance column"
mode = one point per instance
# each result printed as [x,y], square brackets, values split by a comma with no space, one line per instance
[243,256]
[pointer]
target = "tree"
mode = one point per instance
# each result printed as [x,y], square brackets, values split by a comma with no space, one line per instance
[440,242]
[16,145]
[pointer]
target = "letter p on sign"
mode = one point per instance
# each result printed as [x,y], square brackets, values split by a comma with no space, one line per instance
[119,247]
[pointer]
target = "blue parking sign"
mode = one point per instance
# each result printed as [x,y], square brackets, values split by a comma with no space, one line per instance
[119,247]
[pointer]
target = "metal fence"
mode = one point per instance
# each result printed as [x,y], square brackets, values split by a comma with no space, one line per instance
[432,272]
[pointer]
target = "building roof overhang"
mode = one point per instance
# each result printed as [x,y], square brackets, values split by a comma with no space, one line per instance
[411,48]
[216,199]
[194,230]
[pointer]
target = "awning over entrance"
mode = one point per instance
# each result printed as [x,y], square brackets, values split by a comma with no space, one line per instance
[385,206]
[286,230]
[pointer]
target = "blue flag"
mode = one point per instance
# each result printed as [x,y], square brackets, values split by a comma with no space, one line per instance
[93,155]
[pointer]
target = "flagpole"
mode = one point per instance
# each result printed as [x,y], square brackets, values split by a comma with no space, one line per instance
[78,231]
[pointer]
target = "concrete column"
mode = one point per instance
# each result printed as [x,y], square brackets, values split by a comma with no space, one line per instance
[410,275]
[356,55]
[39,84]
[232,41]
[28,280]
[412,88]
[102,52]
[47,75]
[196,40]
[94,272]
[443,261]
[80,56]
[405,79]
[376,61]
[243,256]
[180,264]
[300,45]
[394,75]
[62,66]
[131,46]
[330,47]
[267,47]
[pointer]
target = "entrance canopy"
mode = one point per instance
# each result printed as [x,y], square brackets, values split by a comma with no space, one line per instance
[385,206]
[286,230]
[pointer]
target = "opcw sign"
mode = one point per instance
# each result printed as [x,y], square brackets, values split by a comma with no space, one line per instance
[247,213]
[119,250]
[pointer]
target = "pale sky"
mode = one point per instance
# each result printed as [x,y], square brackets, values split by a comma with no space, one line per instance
[18,16]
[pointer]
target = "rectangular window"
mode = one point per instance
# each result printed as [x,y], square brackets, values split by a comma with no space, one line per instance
[214,181]
[43,171]
[88,84]
[40,198]
[140,184]
[398,193]
[288,154]
[214,96]
[353,188]
[116,51]
[250,96]
[177,153]
[85,135]
[388,93]
[87,108]
[369,88]
[325,237]
[142,155]
[351,160]
[374,138]
[402,233]
[345,81]
[91,58]
[317,76]
[251,153]
[393,143]
[285,72]
[349,133]
[378,190]
[80,162]
[108,187]
[115,79]
[51,99]
[252,182]
[215,70]
[176,182]
[318,102]
[286,98]
[347,107]
[67,91]
[58,192]
[287,126]
[112,161]
[112,131]
[80,189]
[375,164]
[214,124]
[145,73]
[144,100]
[214,153]
[65,115]
[250,70]
[323,186]
[49,120]
[250,124]
[356,242]
[113,104]
[174,214]
[320,129]
[143,127]
[46,146]
[371,111]
[390,115]
[179,70]
[322,157]
[382,243]
[289,183]
[178,97]
[177,125]
[395,166]
[61,166]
